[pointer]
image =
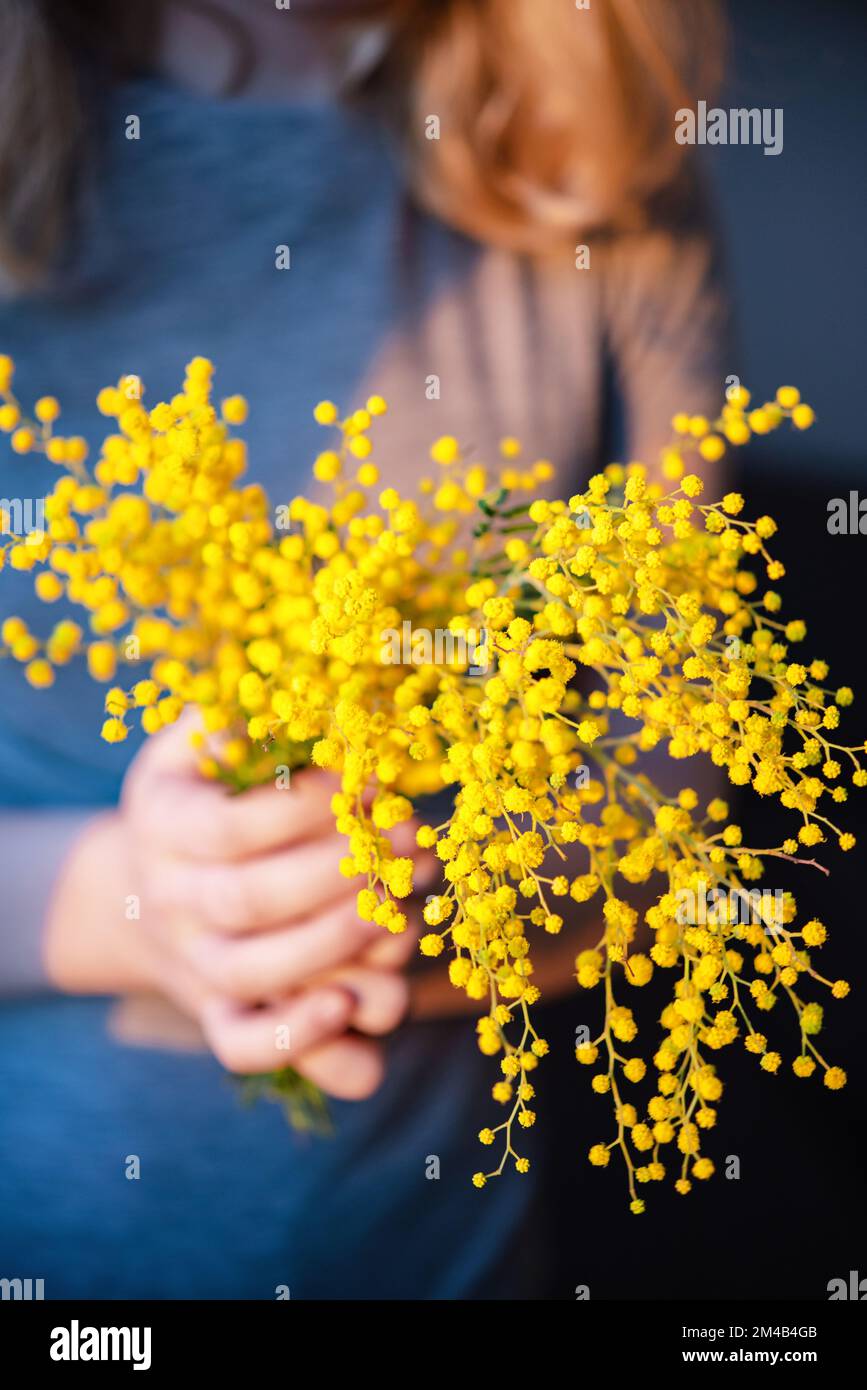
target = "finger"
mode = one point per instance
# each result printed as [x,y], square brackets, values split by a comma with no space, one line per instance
[274,963]
[193,817]
[263,1040]
[348,1068]
[202,820]
[172,749]
[174,807]
[391,950]
[381,997]
[253,894]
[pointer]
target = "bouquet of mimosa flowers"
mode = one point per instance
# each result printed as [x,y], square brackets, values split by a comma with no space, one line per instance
[573,643]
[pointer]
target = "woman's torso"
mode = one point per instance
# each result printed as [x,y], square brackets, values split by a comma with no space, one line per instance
[178,257]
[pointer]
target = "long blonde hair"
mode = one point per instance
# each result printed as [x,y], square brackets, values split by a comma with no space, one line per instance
[523,122]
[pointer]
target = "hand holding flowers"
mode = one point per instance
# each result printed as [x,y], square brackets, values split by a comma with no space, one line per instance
[650,594]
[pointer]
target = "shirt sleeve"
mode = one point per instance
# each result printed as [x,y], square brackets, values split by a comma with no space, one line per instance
[668,329]
[33,847]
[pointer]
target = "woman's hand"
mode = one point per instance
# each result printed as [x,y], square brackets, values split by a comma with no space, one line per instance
[234,908]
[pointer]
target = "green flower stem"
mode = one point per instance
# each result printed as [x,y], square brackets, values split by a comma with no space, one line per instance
[304,1105]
